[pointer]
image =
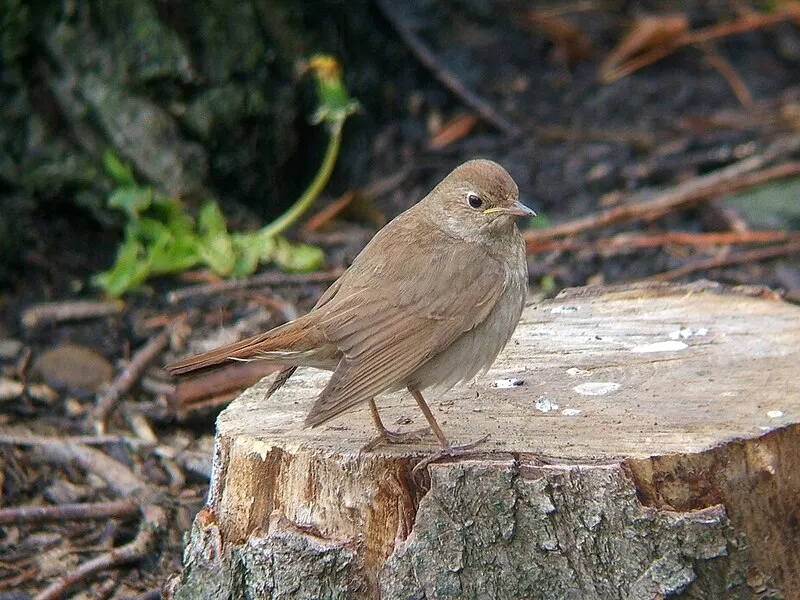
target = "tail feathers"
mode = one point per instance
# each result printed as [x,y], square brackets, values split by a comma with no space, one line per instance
[279,345]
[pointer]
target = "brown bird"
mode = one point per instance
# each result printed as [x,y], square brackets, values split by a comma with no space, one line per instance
[429,302]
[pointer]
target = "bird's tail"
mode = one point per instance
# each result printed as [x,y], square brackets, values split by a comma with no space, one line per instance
[296,343]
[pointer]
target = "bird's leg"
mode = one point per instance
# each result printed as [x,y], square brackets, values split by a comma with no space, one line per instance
[447,449]
[386,436]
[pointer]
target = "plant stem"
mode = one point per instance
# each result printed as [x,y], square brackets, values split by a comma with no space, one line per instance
[305,201]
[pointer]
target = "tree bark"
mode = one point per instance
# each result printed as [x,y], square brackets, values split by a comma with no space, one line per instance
[643,444]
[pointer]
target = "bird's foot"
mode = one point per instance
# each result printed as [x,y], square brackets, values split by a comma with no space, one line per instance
[387,436]
[448,451]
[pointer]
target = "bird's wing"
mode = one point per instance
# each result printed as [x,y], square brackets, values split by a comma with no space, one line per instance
[402,307]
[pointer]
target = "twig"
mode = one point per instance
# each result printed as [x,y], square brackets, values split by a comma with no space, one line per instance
[626,241]
[209,405]
[89,440]
[746,23]
[149,595]
[155,520]
[126,380]
[740,258]
[716,60]
[563,8]
[68,512]
[272,278]
[450,81]
[735,177]
[194,461]
[24,575]
[58,312]
[237,375]
[609,73]
[122,480]
[116,475]
[103,590]
[328,213]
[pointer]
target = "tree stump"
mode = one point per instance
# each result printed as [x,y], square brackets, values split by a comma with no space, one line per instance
[644,443]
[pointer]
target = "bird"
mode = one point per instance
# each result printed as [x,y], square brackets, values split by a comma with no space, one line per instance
[429,302]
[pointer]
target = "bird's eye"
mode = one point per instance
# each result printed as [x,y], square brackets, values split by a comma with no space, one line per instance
[474,200]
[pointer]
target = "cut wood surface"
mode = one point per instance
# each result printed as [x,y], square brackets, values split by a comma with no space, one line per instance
[644,443]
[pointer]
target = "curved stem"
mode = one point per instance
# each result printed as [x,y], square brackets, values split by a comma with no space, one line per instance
[305,201]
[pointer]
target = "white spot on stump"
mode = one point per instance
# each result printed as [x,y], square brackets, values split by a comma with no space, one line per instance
[687,332]
[596,388]
[671,346]
[545,404]
[564,308]
[504,384]
[575,372]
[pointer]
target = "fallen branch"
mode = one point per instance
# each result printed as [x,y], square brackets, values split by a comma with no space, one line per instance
[236,376]
[206,406]
[58,312]
[728,261]
[67,512]
[625,242]
[116,475]
[127,379]
[272,278]
[450,81]
[22,439]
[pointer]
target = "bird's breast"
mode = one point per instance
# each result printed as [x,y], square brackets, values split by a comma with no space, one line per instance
[475,350]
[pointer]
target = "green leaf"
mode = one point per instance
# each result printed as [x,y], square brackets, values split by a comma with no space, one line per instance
[246,248]
[129,271]
[299,258]
[120,172]
[210,220]
[131,199]
[217,252]
[172,254]
[215,245]
[267,245]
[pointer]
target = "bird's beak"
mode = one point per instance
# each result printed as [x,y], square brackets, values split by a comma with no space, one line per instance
[518,209]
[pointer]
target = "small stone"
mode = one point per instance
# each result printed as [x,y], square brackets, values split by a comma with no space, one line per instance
[10,389]
[74,368]
[10,348]
[73,408]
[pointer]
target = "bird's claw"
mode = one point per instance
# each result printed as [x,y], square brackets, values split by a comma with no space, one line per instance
[396,437]
[449,451]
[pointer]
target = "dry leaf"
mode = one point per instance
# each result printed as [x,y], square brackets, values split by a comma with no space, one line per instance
[328,213]
[452,131]
[647,34]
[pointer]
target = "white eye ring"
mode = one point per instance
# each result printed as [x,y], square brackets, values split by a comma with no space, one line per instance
[474,200]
